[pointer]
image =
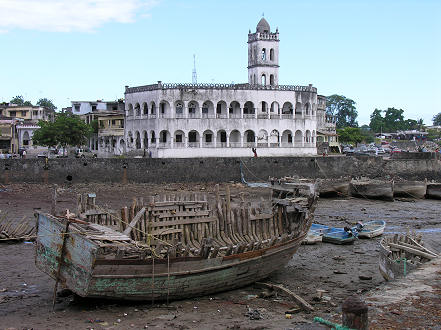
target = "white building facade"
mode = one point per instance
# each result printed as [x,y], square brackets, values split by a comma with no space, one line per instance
[225,120]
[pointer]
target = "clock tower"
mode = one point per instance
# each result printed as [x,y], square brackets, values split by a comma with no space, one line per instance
[263,55]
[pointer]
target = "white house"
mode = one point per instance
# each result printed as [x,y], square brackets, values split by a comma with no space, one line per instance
[225,120]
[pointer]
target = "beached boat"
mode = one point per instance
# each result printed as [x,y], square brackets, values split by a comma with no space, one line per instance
[410,189]
[433,190]
[372,189]
[340,236]
[173,247]
[400,255]
[315,233]
[371,229]
[333,187]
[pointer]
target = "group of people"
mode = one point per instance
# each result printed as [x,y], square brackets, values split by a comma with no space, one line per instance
[8,155]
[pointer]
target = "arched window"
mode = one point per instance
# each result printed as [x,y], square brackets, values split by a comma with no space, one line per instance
[263,80]
[263,54]
[272,54]
[272,80]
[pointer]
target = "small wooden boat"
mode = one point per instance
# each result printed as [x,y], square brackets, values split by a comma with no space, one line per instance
[372,229]
[433,190]
[315,233]
[400,255]
[410,189]
[340,236]
[174,246]
[333,187]
[372,189]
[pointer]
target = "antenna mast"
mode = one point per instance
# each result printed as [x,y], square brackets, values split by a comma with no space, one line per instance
[194,79]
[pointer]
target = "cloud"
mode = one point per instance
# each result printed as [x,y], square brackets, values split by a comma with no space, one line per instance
[69,15]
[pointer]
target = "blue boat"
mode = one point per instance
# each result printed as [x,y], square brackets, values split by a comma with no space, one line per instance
[340,235]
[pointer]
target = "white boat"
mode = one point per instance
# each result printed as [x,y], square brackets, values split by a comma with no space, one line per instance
[372,229]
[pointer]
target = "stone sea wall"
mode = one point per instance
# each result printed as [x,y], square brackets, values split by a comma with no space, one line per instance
[153,170]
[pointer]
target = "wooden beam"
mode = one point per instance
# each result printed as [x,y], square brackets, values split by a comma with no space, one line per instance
[299,300]
[133,223]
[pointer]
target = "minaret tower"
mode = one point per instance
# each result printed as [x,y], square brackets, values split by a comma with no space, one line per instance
[263,55]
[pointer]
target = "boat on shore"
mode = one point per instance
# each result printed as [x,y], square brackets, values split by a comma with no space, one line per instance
[401,254]
[333,187]
[372,189]
[433,190]
[173,246]
[410,189]
[340,236]
[371,229]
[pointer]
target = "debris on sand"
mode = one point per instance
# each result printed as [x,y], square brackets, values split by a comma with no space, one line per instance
[13,231]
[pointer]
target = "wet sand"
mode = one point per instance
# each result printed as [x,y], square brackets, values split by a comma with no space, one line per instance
[26,293]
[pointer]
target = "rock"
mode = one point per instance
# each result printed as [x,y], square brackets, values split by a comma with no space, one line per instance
[365,277]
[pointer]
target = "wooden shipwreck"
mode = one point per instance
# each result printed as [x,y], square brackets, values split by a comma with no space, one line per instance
[173,247]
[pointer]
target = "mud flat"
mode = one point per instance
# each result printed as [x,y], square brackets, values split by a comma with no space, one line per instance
[26,293]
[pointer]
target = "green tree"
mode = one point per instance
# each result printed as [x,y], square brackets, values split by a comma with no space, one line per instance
[44,102]
[343,109]
[17,100]
[367,134]
[94,125]
[377,121]
[393,119]
[410,124]
[66,130]
[350,135]
[437,119]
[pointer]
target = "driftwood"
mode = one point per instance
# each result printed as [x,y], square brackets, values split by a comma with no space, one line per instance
[405,247]
[299,300]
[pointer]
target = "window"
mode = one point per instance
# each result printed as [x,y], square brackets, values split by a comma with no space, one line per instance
[263,54]
[289,138]
[271,54]
[263,80]
[192,137]
[218,108]
[93,107]
[208,138]
[77,107]
[23,113]
[178,138]
[179,108]
[101,123]
[272,80]
[223,137]
[192,108]
[113,122]
[12,113]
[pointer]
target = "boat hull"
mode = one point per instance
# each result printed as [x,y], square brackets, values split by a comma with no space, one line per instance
[372,190]
[433,191]
[392,269]
[410,189]
[84,273]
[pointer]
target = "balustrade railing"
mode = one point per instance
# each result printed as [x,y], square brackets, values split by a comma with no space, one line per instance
[163,86]
[194,144]
[208,145]
[235,144]
[221,144]
[249,115]
[249,144]
[179,145]
[287,116]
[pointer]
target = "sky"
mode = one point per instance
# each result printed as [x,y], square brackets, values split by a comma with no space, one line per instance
[379,53]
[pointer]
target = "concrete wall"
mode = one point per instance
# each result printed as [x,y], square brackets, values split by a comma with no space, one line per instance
[211,169]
